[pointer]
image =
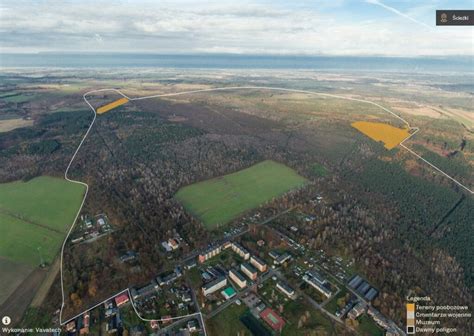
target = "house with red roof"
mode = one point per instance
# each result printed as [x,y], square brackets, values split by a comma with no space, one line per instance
[121,299]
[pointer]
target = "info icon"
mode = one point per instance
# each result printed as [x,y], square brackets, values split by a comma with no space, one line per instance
[6,320]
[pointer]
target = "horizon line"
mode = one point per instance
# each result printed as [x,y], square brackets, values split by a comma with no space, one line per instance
[201,54]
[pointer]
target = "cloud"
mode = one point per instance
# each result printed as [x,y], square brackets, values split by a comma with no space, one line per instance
[250,27]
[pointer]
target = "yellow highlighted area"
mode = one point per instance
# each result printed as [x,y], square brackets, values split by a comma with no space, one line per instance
[389,135]
[112,105]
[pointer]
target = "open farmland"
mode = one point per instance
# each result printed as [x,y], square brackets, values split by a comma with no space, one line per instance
[46,203]
[13,274]
[217,201]
[34,218]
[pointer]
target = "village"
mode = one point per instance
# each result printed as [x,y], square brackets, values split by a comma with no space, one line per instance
[259,273]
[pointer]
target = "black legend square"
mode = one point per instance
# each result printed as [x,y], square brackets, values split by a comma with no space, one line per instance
[410,330]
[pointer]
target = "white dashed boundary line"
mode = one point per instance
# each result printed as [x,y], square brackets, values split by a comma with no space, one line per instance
[127,290]
[230,88]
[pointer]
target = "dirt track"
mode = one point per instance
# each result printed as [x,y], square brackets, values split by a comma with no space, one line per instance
[46,284]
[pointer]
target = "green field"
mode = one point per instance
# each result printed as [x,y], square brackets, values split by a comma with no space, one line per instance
[219,200]
[228,322]
[35,216]
[368,327]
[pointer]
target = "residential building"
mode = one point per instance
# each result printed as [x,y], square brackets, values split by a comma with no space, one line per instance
[282,259]
[285,289]
[166,246]
[209,253]
[186,297]
[214,285]
[258,263]
[148,290]
[121,299]
[88,223]
[173,243]
[85,324]
[71,326]
[249,270]
[192,325]
[273,254]
[318,282]
[238,278]
[154,324]
[190,264]
[241,251]
[169,278]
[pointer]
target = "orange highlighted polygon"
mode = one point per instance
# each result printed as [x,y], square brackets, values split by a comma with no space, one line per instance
[112,105]
[391,136]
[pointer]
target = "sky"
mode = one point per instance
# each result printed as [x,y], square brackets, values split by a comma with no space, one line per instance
[300,27]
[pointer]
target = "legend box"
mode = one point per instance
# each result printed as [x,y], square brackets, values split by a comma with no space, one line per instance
[410,318]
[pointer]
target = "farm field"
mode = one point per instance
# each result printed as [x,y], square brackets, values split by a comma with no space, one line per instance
[46,202]
[219,200]
[13,274]
[25,242]
[34,217]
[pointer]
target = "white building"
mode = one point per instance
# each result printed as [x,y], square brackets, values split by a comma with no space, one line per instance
[258,263]
[238,278]
[213,286]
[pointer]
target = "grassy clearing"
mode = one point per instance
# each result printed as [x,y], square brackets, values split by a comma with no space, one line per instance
[217,201]
[7,125]
[368,327]
[302,319]
[319,170]
[336,302]
[34,217]
[19,98]
[228,322]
